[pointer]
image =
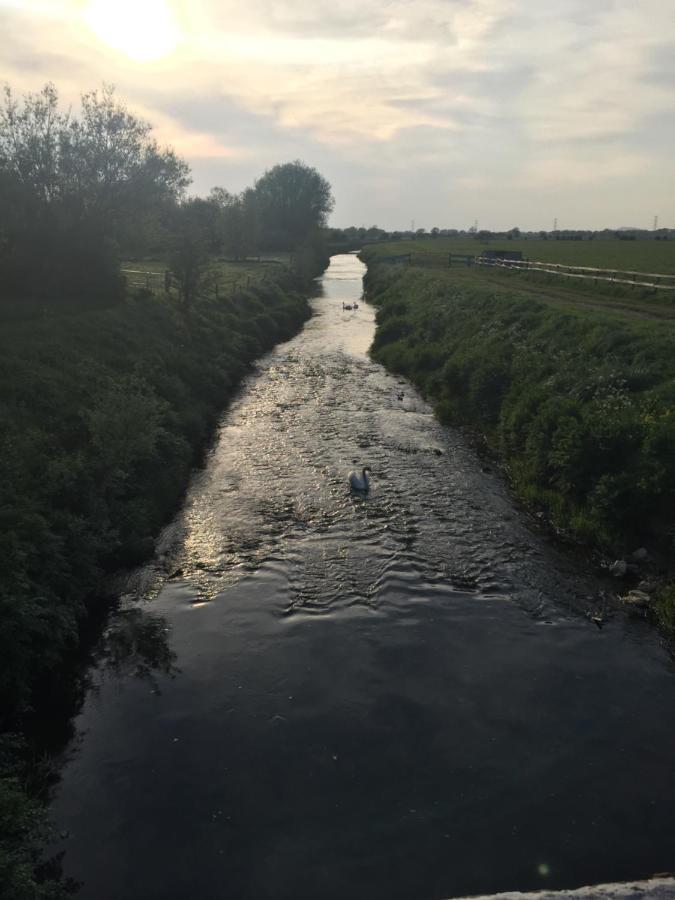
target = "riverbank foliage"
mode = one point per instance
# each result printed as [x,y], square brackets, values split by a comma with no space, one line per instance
[103,414]
[579,404]
[109,392]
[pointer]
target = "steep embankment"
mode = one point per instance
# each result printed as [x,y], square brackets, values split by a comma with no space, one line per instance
[579,404]
[103,414]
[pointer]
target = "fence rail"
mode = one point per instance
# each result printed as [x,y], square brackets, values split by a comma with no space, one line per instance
[615,276]
[147,279]
[212,284]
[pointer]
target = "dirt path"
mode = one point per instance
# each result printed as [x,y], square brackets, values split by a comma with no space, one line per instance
[624,306]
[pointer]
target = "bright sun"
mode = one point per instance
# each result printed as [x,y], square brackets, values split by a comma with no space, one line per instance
[144,30]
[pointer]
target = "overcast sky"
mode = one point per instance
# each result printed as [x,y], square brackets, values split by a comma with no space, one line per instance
[443,111]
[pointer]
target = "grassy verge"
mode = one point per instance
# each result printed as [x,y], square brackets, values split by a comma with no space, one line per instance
[579,403]
[103,414]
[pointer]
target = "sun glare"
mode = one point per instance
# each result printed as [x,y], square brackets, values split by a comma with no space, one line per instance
[144,30]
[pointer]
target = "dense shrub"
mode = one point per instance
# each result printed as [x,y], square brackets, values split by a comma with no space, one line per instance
[103,412]
[102,415]
[580,405]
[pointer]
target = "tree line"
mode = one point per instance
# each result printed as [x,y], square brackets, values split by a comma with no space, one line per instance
[79,193]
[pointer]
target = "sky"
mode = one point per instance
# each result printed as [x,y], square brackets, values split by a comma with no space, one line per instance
[438,112]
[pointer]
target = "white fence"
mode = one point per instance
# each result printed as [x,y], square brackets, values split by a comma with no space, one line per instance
[144,278]
[616,276]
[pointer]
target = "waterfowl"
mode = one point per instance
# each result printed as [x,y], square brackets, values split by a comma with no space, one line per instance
[360,482]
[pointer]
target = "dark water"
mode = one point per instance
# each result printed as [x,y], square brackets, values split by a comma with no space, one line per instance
[391,697]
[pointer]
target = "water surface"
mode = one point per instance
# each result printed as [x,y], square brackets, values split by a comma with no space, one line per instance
[314,695]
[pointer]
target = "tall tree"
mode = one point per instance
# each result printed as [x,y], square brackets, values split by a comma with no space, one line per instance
[292,200]
[75,192]
[238,220]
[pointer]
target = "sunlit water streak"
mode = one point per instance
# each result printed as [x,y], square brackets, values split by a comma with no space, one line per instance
[390,696]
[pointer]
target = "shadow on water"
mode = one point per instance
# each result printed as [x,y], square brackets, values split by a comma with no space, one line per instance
[136,644]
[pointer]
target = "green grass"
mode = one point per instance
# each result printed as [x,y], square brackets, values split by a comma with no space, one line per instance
[616,298]
[578,402]
[226,274]
[639,256]
[665,607]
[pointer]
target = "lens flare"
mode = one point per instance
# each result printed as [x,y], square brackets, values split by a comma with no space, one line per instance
[143,30]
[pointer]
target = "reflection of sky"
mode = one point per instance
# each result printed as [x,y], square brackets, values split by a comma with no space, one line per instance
[442,110]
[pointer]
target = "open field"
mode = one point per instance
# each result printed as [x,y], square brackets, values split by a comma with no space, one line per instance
[226,274]
[639,256]
[643,303]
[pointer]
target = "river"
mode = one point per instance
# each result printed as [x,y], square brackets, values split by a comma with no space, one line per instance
[311,694]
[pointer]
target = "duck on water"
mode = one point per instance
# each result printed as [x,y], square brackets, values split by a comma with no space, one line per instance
[360,481]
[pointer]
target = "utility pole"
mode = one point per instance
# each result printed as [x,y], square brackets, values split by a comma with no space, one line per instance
[555,224]
[656,222]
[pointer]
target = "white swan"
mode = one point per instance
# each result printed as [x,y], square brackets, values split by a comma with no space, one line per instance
[360,482]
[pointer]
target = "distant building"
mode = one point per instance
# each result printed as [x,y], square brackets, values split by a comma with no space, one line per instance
[503,254]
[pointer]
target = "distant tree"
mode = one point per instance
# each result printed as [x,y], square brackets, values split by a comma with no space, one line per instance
[375,234]
[189,249]
[435,232]
[238,221]
[292,201]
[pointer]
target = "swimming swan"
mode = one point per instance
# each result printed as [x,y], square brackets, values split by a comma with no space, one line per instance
[360,482]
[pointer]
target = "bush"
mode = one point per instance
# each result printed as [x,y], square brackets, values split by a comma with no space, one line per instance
[580,406]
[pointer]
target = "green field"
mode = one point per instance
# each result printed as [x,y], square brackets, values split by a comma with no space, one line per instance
[226,274]
[638,256]
[622,300]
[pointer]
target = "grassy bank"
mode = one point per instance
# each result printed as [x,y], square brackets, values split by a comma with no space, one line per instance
[579,403]
[103,414]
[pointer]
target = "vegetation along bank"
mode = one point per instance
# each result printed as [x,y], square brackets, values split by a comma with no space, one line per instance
[128,314]
[578,401]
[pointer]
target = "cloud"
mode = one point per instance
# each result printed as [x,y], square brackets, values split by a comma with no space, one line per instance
[416,109]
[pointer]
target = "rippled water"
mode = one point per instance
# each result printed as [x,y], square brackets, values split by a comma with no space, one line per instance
[311,694]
